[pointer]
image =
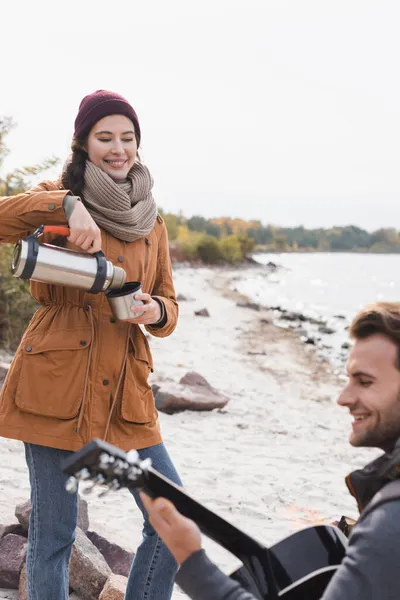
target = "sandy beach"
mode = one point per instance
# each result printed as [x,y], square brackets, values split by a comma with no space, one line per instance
[272,461]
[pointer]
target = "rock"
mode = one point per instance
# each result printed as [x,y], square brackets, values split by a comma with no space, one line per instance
[14,528]
[118,559]
[263,353]
[340,317]
[345,345]
[88,570]
[265,321]
[193,392]
[115,588]
[12,557]
[22,512]
[182,298]
[271,265]
[292,316]
[203,312]
[83,515]
[309,340]
[3,371]
[22,590]
[326,330]
[193,378]
[252,305]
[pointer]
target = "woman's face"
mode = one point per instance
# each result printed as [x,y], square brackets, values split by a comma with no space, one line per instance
[111,145]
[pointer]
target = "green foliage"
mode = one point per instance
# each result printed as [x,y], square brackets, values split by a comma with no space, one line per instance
[209,250]
[172,225]
[16,304]
[231,249]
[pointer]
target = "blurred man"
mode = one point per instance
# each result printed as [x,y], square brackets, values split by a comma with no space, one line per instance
[372,396]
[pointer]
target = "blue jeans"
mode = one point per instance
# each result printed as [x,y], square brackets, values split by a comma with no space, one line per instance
[52,531]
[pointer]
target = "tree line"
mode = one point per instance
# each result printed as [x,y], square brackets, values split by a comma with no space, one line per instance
[253,236]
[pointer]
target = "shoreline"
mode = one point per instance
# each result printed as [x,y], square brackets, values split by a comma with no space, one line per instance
[272,461]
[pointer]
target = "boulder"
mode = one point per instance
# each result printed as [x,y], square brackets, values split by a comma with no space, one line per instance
[13,528]
[118,559]
[3,371]
[252,305]
[203,312]
[114,588]
[326,330]
[88,570]
[12,557]
[193,392]
[83,515]
[22,590]
[23,511]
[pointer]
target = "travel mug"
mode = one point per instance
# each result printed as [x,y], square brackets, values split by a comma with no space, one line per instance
[123,299]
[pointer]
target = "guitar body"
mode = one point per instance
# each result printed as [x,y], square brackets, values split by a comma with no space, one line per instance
[298,567]
[303,563]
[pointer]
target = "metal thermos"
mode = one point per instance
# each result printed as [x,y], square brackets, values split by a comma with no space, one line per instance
[61,266]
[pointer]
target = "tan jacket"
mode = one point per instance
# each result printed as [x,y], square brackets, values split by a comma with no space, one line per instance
[78,373]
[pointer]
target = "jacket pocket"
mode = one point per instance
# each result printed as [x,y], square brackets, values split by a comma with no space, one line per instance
[137,402]
[53,371]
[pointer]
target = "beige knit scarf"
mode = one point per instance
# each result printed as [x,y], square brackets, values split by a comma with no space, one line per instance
[127,209]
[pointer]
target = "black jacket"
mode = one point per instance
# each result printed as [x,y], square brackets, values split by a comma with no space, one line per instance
[370,568]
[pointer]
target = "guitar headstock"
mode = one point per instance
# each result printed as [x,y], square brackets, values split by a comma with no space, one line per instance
[104,465]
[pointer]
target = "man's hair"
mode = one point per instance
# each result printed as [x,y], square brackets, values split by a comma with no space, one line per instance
[380,318]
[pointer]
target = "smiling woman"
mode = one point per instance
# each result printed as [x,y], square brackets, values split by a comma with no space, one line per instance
[79,372]
[112,146]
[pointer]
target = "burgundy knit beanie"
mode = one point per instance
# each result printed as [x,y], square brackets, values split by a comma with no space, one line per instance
[100,104]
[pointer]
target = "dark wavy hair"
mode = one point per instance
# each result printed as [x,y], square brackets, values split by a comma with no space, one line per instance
[73,175]
[380,318]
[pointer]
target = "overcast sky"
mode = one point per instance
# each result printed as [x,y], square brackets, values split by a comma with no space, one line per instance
[287,111]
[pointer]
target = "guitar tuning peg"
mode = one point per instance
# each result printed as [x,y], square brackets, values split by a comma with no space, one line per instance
[83,474]
[132,456]
[97,481]
[71,485]
[106,460]
[111,487]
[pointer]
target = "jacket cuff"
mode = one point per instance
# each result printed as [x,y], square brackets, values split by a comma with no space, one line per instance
[69,204]
[163,319]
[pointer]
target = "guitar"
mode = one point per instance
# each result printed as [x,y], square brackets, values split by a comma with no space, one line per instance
[297,568]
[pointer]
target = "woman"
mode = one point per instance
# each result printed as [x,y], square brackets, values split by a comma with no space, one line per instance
[78,373]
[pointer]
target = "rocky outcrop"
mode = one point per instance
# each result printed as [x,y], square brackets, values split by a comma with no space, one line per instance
[98,568]
[118,559]
[193,392]
[88,570]
[12,557]
[114,589]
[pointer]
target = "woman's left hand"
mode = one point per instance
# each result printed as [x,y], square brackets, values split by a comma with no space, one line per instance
[151,310]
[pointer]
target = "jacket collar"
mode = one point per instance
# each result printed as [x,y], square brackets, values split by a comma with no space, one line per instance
[364,483]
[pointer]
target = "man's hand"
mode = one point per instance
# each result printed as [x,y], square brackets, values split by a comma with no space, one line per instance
[84,232]
[180,535]
[151,310]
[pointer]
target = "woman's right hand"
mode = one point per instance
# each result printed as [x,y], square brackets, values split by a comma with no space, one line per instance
[84,232]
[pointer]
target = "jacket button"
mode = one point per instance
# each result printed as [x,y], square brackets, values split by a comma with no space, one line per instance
[113,320]
[83,342]
[28,348]
[52,207]
[120,259]
[105,382]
